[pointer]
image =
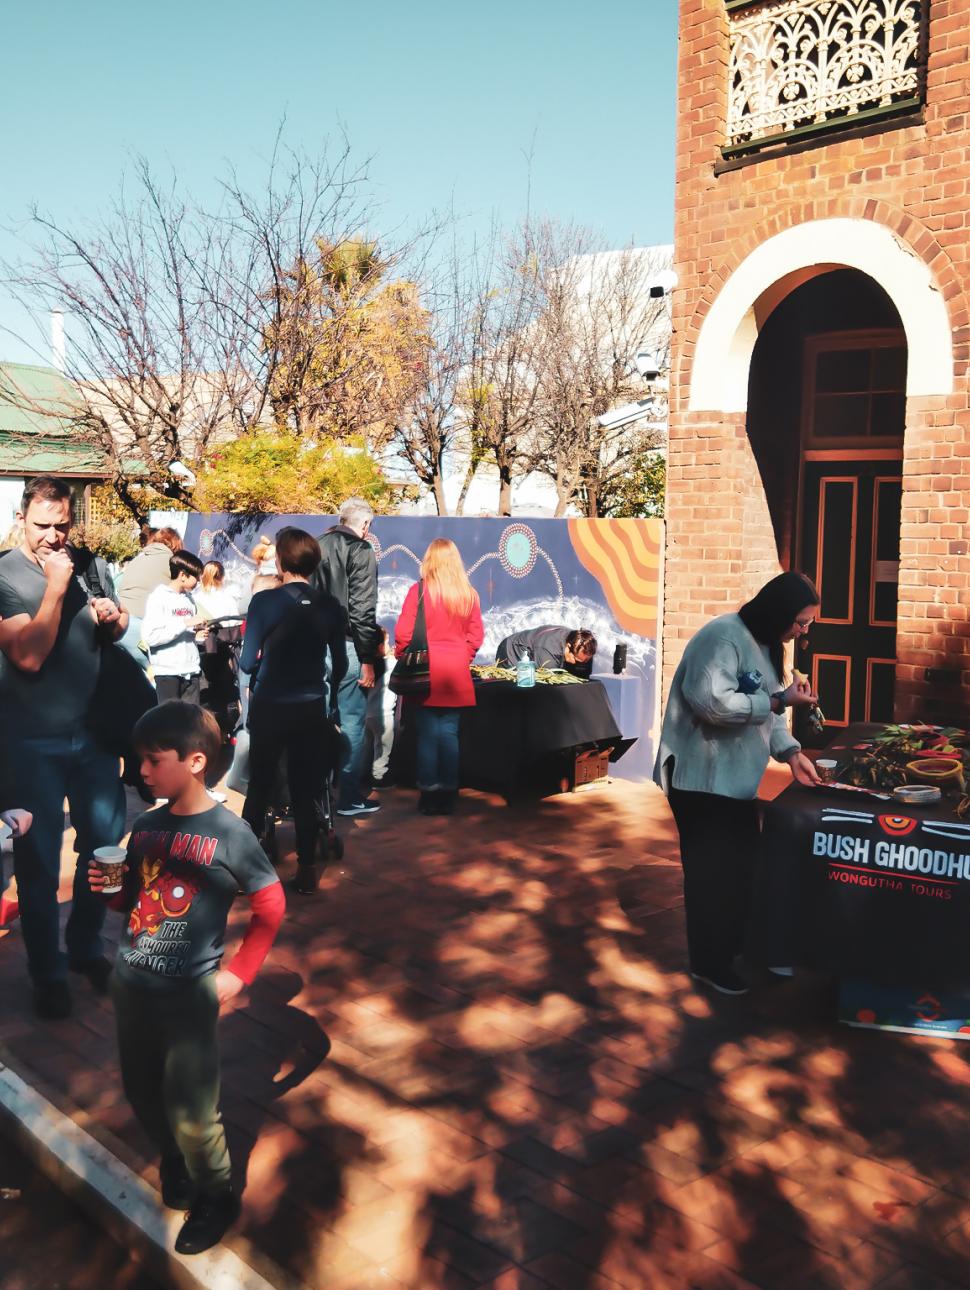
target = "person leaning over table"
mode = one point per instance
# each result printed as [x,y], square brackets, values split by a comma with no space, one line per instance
[724,719]
[572,648]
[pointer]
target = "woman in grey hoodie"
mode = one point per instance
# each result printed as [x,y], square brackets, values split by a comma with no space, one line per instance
[724,719]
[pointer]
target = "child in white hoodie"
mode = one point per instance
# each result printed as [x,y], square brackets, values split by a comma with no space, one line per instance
[169,630]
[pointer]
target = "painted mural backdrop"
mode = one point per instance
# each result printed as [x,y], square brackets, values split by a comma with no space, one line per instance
[604,575]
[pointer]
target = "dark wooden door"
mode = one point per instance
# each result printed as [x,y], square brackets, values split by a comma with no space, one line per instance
[850,546]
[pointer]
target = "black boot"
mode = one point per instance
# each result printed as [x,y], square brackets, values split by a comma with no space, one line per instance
[178,1191]
[447,800]
[306,879]
[209,1219]
[426,802]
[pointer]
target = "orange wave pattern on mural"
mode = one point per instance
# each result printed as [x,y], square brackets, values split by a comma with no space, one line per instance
[624,556]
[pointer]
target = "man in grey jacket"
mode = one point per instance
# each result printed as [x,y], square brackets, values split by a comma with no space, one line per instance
[139,578]
[348,572]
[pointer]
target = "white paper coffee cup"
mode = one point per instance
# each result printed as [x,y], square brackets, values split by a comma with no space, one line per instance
[111,862]
[826,769]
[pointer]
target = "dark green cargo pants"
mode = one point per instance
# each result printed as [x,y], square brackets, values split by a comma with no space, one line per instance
[170,1070]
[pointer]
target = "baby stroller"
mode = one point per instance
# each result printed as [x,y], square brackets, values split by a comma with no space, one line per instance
[219,658]
[330,845]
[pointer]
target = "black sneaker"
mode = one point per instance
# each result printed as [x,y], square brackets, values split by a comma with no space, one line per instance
[724,982]
[178,1190]
[306,879]
[208,1220]
[97,971]
[52,1000]
[360,808]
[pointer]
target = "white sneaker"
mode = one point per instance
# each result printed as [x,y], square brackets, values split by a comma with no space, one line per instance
[782,971]
[724,983]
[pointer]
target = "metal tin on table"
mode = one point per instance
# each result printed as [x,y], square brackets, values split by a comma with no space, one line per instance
[917,794]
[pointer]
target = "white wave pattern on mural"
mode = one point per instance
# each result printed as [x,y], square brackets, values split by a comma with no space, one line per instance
[503,620]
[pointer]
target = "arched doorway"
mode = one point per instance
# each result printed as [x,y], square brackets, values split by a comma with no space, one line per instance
[826,422]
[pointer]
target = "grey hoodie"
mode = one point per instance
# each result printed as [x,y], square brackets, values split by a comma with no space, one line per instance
[718,737]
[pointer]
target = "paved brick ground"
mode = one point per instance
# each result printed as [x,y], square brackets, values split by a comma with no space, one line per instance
[46,1241]
[476,1058]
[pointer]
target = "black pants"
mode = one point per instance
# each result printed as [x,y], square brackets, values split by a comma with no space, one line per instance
[186,688]
[170,1070]
[718,851]
[302,732]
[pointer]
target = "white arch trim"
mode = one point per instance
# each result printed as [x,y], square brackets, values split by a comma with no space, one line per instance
[722,359]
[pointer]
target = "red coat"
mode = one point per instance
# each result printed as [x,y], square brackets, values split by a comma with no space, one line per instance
[452,644]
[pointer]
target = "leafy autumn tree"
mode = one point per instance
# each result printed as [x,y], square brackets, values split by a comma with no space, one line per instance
[639,492]
[271,471]
[350,346]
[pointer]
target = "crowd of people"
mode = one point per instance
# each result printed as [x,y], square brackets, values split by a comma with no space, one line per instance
[315,663]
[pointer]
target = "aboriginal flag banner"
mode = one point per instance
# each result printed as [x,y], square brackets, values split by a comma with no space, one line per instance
[862,887]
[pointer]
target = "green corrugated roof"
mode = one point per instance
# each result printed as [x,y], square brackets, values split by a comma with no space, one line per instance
[36,431]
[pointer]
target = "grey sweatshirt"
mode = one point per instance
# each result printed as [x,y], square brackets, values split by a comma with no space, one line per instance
[719,738]
[140,576]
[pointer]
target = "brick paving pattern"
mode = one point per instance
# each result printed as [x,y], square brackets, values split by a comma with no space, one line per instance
[477,1059]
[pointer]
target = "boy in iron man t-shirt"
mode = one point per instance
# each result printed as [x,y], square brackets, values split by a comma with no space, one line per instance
[186,861]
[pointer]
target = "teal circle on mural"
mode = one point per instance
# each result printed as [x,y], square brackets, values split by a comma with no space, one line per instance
[517,550]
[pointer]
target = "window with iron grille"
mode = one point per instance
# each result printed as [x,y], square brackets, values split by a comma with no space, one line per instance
[799,68]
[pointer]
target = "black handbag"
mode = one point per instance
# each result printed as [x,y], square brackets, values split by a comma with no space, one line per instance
[123,692]
[411,677]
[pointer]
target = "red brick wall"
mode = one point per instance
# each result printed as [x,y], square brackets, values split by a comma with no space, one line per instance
[914,179]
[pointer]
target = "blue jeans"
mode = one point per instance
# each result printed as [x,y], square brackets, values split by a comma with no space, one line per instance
[352,702]
[46,770]
[437,753]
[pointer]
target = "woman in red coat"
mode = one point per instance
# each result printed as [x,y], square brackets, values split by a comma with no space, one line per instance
[454,624]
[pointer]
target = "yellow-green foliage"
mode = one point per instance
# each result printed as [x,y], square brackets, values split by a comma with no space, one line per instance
[114,540]
[350,346]
[107,506]
[271,472]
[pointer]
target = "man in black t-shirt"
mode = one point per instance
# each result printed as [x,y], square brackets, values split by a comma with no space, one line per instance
[51,635]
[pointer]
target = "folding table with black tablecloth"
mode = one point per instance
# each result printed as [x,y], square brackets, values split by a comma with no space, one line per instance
[520,738]
[862,887]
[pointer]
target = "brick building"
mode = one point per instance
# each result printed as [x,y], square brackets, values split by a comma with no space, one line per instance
[819,396]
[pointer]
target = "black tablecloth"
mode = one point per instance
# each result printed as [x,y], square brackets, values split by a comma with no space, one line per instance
[861,887]
[516,738]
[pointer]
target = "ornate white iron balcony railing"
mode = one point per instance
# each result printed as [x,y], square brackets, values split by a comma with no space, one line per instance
[803,65]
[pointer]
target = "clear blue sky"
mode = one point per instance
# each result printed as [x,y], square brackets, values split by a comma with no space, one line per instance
[447,98]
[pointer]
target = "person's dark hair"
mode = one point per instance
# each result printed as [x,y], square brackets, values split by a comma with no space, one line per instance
[168,537]
[183,726]
[582,641]
[297,552]
[146,534]
[773,610]
[46,488]
[185,562]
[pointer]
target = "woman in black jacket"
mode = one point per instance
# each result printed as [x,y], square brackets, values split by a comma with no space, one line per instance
[289,631]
